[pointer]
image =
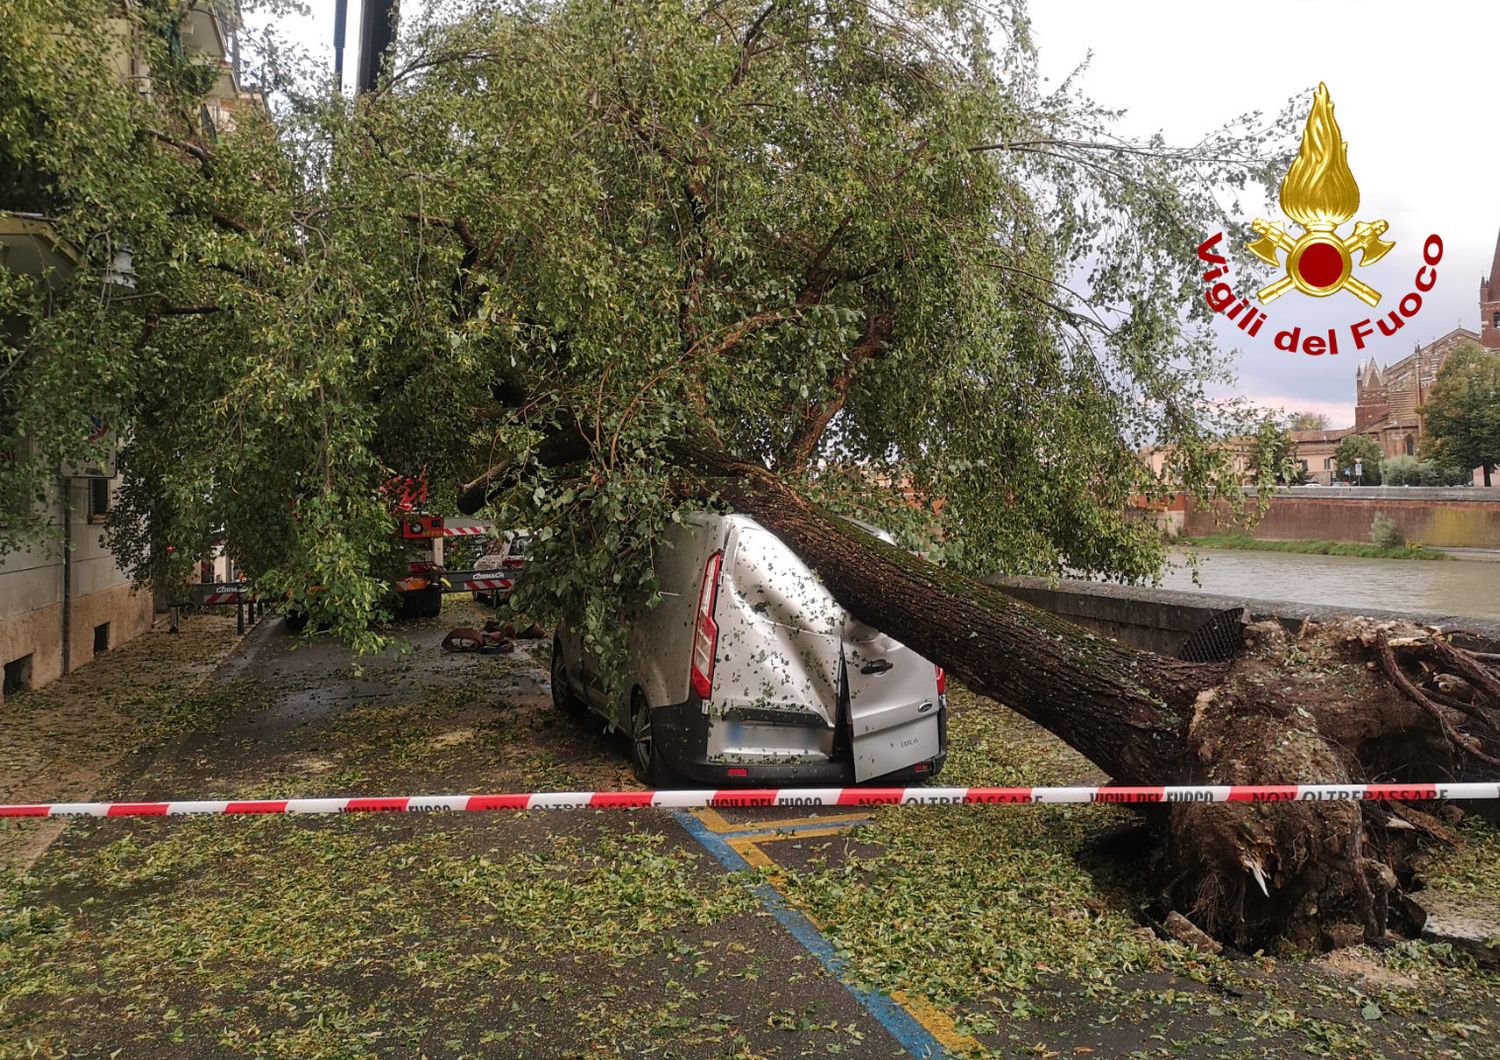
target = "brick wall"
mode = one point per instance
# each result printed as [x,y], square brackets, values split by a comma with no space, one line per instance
[1457,518]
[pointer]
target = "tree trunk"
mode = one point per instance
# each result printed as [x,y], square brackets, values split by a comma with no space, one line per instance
[1123,709]
[1245,872]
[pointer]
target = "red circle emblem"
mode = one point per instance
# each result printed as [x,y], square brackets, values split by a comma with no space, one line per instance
[1320,264]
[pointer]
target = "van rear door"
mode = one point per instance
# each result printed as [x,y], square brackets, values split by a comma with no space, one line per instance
[779,634]
[893,702]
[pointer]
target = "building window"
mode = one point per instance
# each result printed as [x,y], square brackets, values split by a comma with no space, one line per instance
[1328,463]
[1411,446]
[98,499]
[101,638]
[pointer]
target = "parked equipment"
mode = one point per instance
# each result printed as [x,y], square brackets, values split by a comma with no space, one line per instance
[750,671]
[503,566]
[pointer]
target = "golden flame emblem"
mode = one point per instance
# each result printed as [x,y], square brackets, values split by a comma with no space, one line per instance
[1319,193]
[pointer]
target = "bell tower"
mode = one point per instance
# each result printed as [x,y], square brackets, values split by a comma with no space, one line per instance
[1489,305]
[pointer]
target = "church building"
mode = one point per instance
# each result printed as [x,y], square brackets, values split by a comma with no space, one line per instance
[1388,400]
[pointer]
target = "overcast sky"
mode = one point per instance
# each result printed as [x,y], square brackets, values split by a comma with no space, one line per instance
[1414,88]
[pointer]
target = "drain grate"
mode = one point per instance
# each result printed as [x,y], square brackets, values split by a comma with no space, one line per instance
[1218,640]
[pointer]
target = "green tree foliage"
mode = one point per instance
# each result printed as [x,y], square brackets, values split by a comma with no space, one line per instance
[1384,533]
[567,242]
[1273,455]
[1363,448]
[1463,412]
[1415,471]
[1307,421]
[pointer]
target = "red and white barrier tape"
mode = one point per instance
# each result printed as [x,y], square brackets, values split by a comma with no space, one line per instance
[481,584]
[226,598]
[742,798]
[465,531]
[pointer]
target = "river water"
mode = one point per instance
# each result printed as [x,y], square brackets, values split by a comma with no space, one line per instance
[1466,588]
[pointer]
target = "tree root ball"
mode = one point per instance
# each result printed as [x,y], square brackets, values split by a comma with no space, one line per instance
[1303,709]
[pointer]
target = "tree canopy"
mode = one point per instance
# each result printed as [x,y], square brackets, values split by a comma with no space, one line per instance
[1364,450]
[1463,411]
[859,245]
[1307,421]
[1273,453]
[592,263]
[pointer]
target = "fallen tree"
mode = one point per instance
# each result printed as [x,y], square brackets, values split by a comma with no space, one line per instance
[803,258]
[1348,702]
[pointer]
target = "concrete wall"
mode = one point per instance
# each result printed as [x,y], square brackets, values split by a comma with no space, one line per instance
[31,596]
[1456,518]
[1161,620]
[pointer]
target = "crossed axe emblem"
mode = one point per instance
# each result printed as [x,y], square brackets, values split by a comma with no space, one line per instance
[1322,261]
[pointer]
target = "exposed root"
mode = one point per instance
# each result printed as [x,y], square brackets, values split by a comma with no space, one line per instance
[1348,701]
[1469,666]
[1393,672]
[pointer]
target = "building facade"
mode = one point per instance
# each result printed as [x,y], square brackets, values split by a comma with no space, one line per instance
[1314,451]
[65,599]
[1489,304]
[1388,401]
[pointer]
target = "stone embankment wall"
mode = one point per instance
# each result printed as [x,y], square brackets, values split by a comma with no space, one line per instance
[1162,620]
[1443,518]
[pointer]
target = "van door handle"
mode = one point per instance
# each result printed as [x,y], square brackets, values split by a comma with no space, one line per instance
[879,666]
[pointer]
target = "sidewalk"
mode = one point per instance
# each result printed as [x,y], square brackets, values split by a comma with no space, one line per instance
[61,740]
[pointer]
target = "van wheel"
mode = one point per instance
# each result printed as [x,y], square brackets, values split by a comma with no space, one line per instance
[645,751]
[563,698]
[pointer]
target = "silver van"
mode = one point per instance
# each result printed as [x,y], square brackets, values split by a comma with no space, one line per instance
[748,671]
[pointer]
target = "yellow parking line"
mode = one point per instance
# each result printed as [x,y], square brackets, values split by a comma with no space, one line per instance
[806,833]
[714,821]
[938,1023]
[829,819]
[757,858]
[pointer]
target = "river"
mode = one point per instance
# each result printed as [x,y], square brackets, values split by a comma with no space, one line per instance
[1460,587]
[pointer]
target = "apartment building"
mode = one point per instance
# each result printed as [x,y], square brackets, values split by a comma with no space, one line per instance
[65,599]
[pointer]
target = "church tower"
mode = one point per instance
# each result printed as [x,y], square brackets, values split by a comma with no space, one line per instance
[1489,305]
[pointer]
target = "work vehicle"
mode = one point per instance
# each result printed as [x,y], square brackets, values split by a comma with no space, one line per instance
[748,671]
[418,577]
[507,557]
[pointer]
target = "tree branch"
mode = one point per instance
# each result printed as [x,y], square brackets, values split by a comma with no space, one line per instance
[817,417]
[565,445]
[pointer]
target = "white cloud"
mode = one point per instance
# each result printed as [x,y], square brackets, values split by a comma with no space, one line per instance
[1409,86]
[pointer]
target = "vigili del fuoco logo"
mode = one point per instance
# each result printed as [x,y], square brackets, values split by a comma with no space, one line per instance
[1319,193]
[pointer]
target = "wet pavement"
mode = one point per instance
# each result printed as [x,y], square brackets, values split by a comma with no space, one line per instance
[945,931]
[638,937]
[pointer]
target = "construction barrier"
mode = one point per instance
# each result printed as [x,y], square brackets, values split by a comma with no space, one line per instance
[241,594]
[761,798]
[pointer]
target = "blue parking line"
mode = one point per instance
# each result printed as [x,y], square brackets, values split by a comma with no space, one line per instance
[912,1036]
[793,829]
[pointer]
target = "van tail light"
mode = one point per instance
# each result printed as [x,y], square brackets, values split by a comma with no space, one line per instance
[705,630]
[942,680]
